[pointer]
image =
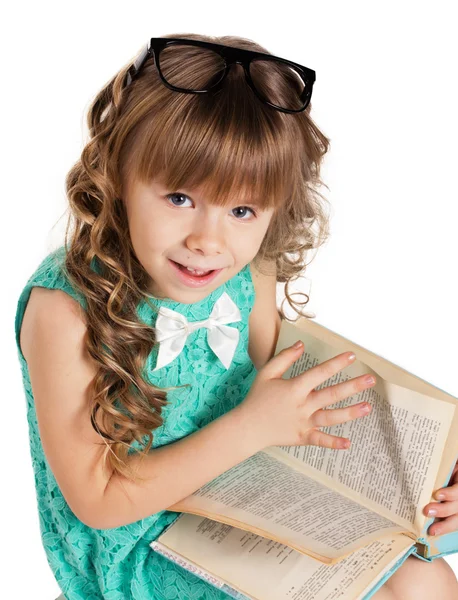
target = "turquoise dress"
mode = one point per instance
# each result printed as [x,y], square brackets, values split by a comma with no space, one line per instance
[118,563]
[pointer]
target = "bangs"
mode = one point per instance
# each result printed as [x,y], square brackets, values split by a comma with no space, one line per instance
[232,151]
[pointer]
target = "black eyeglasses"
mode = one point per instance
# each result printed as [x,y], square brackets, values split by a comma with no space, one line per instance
[216,62]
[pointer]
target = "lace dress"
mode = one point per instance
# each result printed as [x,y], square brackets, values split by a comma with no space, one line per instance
[118,563]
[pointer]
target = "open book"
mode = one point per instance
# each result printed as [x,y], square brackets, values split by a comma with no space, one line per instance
[313,523]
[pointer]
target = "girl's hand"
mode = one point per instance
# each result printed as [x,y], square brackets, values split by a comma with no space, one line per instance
[446,511]
[289,412]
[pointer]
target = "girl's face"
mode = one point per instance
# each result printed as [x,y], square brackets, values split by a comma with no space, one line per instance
[184,227]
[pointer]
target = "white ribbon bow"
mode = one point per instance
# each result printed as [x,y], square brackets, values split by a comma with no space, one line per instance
[173,328]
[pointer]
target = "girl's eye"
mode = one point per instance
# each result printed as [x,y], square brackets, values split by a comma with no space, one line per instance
[175,194]
[244,208]
[181,196]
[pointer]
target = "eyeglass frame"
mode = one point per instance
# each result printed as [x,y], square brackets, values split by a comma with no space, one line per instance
[230,56]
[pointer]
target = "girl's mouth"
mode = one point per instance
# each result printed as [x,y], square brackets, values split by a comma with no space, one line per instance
[192,279]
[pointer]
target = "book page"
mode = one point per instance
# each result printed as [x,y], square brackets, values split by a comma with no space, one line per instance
[266,570]
[395,451]
[278,502]
[312,332]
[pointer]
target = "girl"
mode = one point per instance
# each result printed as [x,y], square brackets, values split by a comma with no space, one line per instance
[146,342]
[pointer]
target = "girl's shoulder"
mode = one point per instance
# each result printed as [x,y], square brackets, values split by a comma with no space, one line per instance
[50,273]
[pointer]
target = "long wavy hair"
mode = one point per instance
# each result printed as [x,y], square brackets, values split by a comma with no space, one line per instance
[228,143]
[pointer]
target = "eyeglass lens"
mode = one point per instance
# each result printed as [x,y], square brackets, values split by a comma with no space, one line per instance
[277,82]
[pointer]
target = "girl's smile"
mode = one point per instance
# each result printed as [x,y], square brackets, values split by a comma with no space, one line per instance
[193,280]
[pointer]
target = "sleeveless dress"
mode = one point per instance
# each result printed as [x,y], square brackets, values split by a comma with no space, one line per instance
[118,563]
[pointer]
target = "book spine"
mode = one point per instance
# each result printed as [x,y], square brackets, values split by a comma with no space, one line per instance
[199,572]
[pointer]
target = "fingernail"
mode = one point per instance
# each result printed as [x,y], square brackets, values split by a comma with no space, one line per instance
[432,511]
[440,496]
[351,356]
[298,344]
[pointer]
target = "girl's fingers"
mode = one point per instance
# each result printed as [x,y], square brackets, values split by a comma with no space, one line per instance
[315,437]
[450,492]
[443,509]
[312,378]
[318,399]
[448,525]
[324,418]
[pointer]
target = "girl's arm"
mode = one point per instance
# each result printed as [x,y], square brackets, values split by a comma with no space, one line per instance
[265,321]
[52,336]
[177,470]
[60,370]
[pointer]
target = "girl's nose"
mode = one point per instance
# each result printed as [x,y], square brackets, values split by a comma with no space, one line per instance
[206,239]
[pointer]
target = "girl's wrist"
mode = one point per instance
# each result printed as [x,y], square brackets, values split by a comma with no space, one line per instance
[249,428]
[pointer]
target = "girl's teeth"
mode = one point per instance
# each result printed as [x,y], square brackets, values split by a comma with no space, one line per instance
[197,272]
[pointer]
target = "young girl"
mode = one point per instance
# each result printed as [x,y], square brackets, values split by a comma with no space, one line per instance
[146,342]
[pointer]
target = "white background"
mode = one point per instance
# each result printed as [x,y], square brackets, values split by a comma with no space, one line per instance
[385,94]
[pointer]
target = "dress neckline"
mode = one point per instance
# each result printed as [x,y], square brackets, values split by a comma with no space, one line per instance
[183,306]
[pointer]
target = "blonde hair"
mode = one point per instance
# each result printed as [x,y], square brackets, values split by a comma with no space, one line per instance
[226,143]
